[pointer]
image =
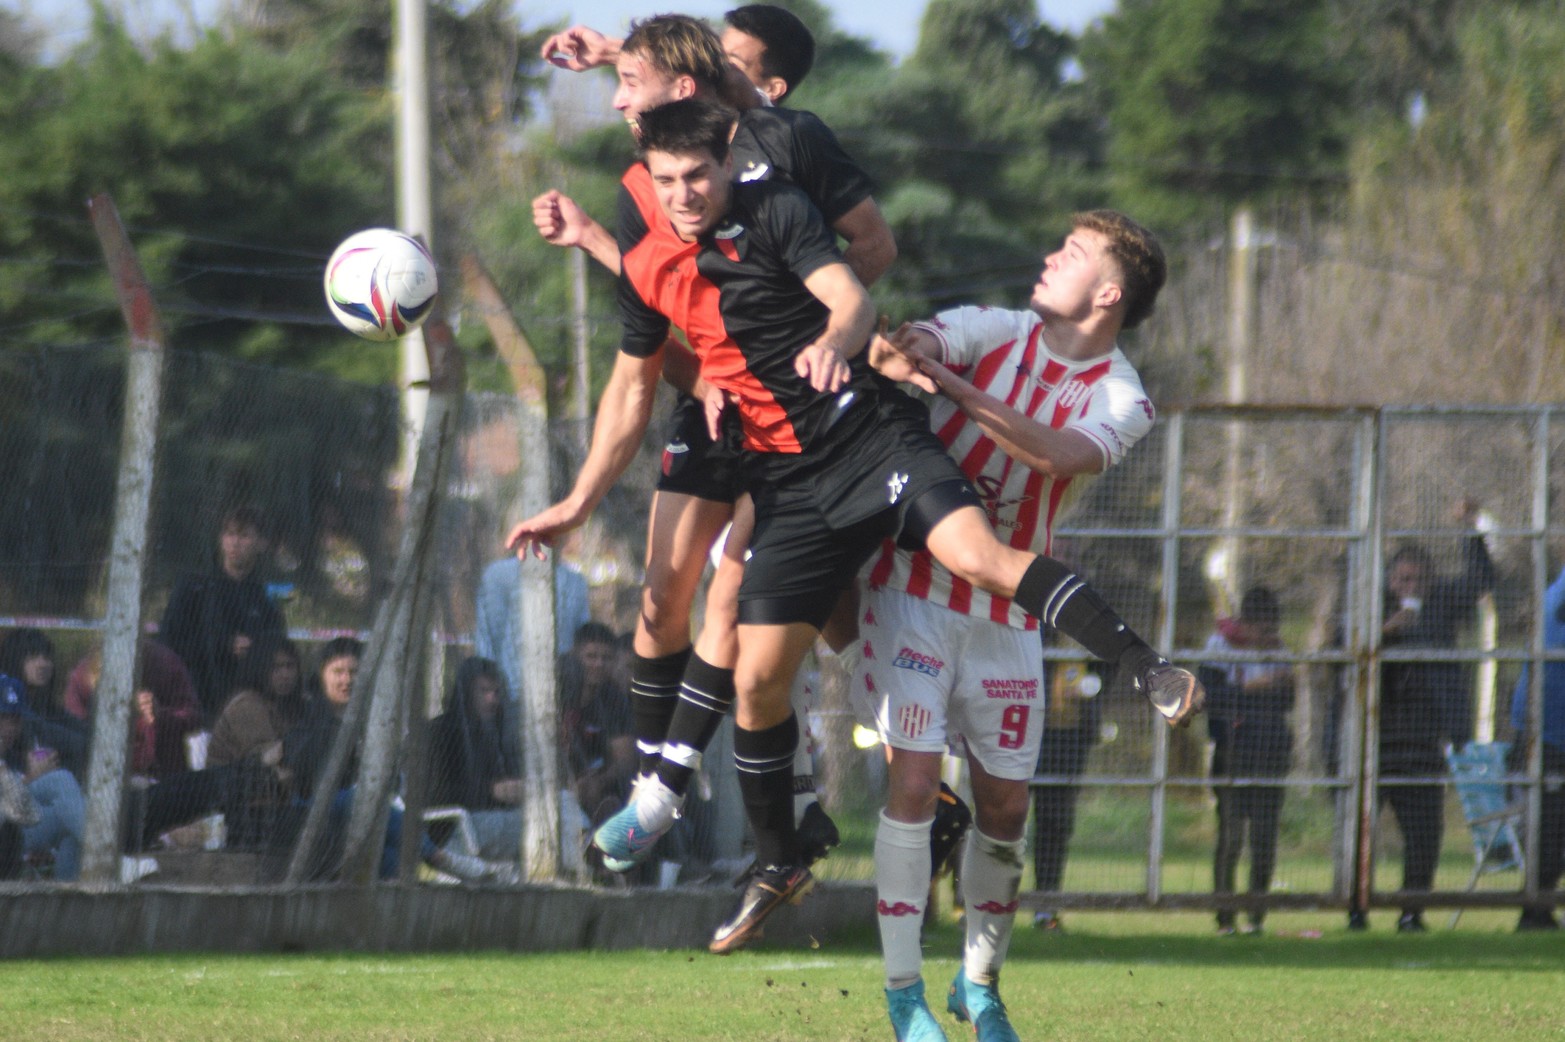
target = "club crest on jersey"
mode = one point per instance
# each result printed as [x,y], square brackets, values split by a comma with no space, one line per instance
[1072,395]
[754,172]
[913,720]
[918,662]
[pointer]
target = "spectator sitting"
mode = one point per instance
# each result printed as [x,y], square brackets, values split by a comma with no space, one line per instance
[28,655]
[595,728]
[474,760]
[51,818]
[268,702]
[211,620]
[306,748]
[165,710]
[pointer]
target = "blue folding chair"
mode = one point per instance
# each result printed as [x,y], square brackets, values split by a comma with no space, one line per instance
[1494,820]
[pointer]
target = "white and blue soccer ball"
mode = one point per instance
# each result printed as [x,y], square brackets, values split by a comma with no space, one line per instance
[381,284]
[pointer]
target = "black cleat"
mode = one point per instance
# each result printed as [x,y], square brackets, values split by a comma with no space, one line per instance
[952,820]
[817,833]
[766,890]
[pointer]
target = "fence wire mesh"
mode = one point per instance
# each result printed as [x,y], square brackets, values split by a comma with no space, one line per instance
[1316,506]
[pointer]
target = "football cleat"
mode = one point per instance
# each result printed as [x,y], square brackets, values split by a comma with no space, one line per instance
[765,890]
[981,1007]
[952,820]
[911,1020]
[628,836]
[817,833]
[1173,691]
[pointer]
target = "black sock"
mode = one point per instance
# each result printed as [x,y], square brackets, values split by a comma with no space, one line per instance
[1062,599]
[705,697]
[654,692]
[765,763]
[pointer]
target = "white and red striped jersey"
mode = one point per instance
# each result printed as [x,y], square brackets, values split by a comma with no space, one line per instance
[1003,353]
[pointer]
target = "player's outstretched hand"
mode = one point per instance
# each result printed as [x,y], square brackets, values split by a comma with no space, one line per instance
[823,366]
[540,531]
[895,356]
[580,48]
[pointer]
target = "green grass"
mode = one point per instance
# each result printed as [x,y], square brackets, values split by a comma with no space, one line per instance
[1111,976]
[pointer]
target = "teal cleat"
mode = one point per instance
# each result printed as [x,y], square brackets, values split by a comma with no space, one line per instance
[910,1016]
[630,833]
[980,1006]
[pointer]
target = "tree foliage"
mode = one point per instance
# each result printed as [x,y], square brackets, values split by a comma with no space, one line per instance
[1210,102]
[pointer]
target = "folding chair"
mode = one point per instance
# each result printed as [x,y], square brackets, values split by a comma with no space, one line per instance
[1493,819]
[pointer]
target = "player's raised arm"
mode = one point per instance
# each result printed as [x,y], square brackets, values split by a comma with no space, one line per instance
[824,363]
[562,223]
[580,48]
[624,410]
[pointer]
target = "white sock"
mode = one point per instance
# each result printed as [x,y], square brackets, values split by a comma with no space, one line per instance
[991,879]
[901,892]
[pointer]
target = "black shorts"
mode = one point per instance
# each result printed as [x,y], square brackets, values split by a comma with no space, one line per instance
[816,526]
[695,465]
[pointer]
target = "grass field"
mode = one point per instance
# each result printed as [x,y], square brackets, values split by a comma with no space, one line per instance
[1110,976]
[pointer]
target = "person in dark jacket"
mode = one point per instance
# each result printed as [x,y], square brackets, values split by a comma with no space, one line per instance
[211,620]
[1425,705]
[1069,733]
[28,655]
[475,758]
[1248,705]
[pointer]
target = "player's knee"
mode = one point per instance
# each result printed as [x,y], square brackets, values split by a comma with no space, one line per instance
[913,797]
[665,617]
[1004,815]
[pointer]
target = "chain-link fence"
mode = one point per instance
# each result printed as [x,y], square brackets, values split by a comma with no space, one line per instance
[1341,710]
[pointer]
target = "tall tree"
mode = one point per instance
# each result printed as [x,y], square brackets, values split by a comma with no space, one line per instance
[204,149]
[983,149]
[1213,101]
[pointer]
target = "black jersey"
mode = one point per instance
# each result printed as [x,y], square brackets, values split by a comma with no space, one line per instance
[796,147]
[738,294]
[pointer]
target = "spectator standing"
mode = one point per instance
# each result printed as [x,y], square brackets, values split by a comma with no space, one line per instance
[499,618]
[1425,705]
[212,620]
[1248,706]
[1069,733]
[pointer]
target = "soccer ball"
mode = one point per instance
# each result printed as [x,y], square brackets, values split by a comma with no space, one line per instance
[380,283]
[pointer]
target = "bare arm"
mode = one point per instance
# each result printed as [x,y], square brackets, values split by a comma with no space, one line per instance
[562,223]
[1058,453]
[624,410]
[871,246]
[580,48]
[824,362]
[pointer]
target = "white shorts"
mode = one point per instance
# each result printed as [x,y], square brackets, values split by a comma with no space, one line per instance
[934,680]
